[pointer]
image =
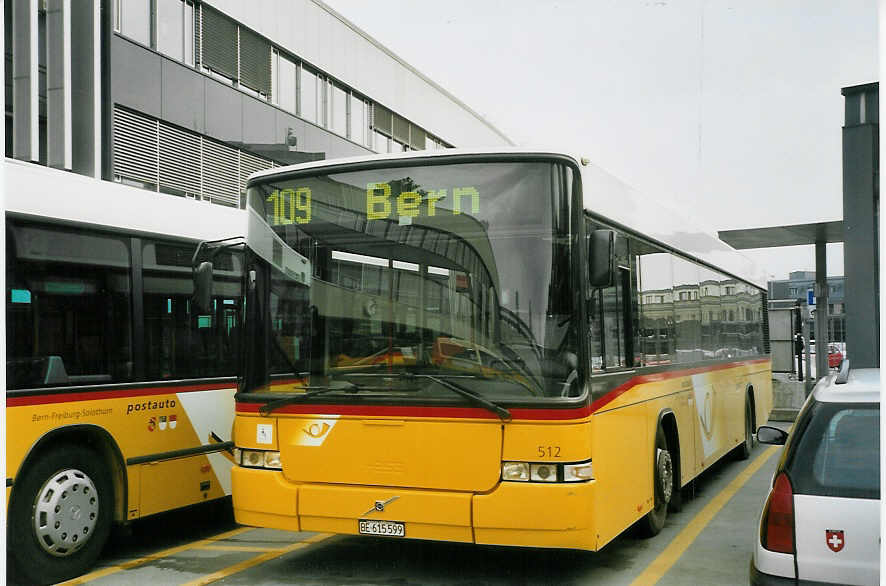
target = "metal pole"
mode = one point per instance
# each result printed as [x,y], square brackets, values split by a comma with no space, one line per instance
[798,340]
[821,313]
[809,381]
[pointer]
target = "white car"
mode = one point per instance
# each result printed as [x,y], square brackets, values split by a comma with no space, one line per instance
[821,522]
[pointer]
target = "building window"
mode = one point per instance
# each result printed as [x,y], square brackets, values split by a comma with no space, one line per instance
[284,82]
[357,130]
[308,90]
[170,28]
[254,62]
[219,44]
[339,111]
[133,19]
[380,142]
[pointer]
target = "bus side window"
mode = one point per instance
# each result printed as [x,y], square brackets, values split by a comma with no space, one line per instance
[687,311]
[610,314]
[179,342]
[67,306]
[656,300]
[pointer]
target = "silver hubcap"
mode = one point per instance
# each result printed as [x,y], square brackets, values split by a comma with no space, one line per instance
[65,512]
[665,473]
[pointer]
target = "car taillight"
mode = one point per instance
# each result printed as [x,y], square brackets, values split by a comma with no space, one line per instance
[777,530]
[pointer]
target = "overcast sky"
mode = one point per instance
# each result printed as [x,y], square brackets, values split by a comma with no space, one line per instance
[730,110]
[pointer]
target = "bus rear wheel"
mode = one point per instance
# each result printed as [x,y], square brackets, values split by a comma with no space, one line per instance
[744,449]
[60,517]
[663,481]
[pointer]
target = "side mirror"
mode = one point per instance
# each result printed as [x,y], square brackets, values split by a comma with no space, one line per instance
[203,287]
[772,436]
[601,253]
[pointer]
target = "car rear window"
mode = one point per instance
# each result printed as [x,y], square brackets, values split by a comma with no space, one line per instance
[838,453]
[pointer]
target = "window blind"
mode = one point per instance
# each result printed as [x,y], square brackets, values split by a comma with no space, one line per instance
[135,146]
[255,62]
[219,42]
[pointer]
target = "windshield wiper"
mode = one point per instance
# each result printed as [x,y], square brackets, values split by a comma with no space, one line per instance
[502,412]
[310,391]
[313,390]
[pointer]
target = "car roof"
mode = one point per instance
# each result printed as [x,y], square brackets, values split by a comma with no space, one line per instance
[863,386]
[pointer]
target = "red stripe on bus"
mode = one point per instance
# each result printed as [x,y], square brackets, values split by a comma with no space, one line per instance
[112,394]
[479,413]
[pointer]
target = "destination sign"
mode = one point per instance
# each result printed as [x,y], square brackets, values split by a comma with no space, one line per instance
[293,206]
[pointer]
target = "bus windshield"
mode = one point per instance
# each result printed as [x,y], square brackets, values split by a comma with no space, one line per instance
[414,279]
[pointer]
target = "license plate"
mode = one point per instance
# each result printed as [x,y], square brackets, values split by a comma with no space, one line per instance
[388,528]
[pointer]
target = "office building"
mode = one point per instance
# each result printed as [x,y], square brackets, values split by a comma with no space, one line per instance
[189,97]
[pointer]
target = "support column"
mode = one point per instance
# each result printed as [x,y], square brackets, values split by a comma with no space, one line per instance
[25,90]
[85,88]
[58,83]
[821,311]
[861,207]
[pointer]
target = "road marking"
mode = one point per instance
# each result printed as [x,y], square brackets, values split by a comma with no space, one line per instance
[154,556]
[253,548]
[274,553]
[660,565]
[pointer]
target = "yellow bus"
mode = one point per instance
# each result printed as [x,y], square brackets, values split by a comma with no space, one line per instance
[492,347]
[119,398]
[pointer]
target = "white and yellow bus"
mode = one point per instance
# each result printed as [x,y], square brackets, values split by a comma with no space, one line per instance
[119,399]
[503,347]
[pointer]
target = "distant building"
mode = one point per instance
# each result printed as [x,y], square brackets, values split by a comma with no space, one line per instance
[797,286]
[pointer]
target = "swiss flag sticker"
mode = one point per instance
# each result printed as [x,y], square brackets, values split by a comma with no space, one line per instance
[834,539]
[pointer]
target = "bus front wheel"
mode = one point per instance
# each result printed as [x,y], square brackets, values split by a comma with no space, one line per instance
[663,482]
[60,517]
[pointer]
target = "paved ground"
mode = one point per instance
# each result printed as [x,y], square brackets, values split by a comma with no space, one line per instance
[709,543]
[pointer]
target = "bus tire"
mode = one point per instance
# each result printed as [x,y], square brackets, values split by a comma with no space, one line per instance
[663,483]
[743,452]
[61,514]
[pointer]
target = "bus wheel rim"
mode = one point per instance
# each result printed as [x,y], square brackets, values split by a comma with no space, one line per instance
[665,474]
[65,512]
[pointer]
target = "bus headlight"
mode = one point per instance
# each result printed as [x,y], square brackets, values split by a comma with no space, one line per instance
[515,471]
[543,472]
[257,458]
[547,472]
[578,472]
[272,460]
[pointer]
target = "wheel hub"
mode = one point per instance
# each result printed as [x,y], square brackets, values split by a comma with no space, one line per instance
[665,473]
[65,512]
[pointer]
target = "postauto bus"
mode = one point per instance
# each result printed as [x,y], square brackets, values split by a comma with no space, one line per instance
[498,347]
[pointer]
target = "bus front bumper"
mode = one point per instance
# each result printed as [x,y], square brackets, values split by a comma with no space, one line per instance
[512,513]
